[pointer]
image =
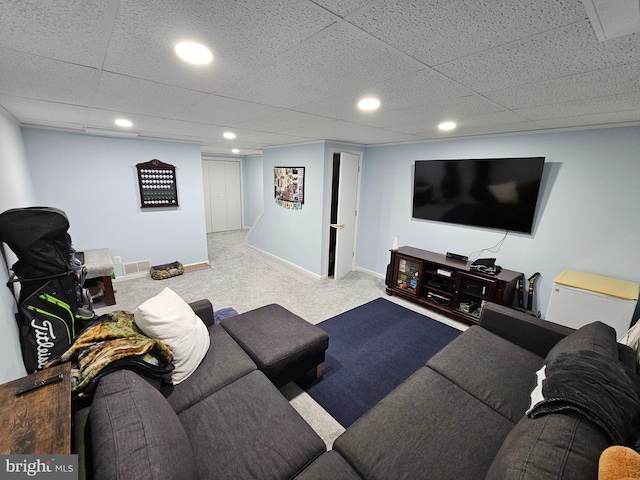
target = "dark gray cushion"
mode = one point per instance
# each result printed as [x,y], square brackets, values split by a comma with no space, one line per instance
[275,338]
[495,371]
[136,434]
[329,466]
[595,336]
[426,428]
[534,334]
[204,310]
[249,430]
[224,362]
[553,446]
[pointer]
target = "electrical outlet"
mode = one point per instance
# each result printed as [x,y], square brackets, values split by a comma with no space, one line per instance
[117,259]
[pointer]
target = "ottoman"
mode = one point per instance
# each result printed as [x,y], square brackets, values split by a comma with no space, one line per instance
[283,345]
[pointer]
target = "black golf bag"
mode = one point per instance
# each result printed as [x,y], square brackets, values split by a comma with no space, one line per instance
[53,306]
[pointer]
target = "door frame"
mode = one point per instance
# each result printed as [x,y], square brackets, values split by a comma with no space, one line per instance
[332,152]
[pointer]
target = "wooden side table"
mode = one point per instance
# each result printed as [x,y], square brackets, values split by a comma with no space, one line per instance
[99,265]
[39,421]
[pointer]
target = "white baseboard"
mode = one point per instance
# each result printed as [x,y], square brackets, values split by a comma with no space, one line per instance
[123,278]
[131,276]
[285,262]
[370,272]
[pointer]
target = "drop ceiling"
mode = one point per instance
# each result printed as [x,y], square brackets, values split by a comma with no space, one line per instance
[292,71]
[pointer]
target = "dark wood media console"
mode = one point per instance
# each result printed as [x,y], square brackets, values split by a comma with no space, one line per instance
[447,285]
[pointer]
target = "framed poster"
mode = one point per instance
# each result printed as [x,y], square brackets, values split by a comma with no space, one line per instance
[289,187]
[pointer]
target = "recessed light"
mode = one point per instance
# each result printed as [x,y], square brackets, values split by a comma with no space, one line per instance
[235,150]
[123,122]
[368,103]
[229,135]
[194,53]
[447,126]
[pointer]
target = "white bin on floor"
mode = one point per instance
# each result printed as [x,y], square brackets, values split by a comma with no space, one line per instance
[579,298]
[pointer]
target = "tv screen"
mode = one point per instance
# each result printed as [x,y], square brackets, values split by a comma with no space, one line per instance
[499,193]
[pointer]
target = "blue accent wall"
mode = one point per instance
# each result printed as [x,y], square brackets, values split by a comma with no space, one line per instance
[588,216]
[94,181]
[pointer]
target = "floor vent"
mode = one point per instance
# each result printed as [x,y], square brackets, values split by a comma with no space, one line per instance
[142,266]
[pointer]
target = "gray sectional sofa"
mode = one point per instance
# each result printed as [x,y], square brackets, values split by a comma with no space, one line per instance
[462,416]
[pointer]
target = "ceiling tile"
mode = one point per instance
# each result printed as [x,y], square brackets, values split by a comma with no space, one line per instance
[628,117]
[30,76]
[282,120]
[566,51]
[26,110]
[340,59]
[436,31]
[481,129]
[99,118]
[215,150]
[609,81]
[217,110]
[427,115]
[71,30]
[133,95]
[493,121]
[423,87]
[179,127]
[241,34]
[272,139]
[340,131]
[593,106]
[342,8]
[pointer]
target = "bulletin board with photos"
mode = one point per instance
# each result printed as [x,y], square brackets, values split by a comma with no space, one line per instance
[158,184]
[289,187]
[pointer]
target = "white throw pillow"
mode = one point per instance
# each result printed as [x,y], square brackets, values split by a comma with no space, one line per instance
[169,318]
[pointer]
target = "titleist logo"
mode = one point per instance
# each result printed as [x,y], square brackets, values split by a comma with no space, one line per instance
[44,335]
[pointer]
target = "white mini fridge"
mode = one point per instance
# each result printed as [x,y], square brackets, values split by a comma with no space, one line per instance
[579,298]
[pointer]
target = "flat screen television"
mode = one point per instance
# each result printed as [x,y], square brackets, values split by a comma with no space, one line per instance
[499,193]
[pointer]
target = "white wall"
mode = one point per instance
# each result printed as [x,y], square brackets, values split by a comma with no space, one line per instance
[94,181]
[15,192]
[588,217]
[253,189]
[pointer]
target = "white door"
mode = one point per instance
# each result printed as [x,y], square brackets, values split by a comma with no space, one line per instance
[346,225]
[223,203]
[233,197]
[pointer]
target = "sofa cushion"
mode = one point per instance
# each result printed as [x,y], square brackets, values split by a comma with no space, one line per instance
[224,362]
[136,434]
[495,371]
[595,336]
[427,426]
[249,430]
[330,465]
[169,318]
[553,446]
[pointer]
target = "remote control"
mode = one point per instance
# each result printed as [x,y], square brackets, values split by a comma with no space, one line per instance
[35,386]
[457,256]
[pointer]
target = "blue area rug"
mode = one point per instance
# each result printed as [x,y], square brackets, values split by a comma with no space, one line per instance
[372,349]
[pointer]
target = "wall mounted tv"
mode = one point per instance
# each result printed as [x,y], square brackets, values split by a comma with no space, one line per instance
[499,193]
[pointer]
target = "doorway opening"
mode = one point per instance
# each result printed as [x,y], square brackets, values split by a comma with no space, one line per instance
[335,182]
[344,193]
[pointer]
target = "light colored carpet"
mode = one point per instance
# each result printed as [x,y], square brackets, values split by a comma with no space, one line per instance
[244,279]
